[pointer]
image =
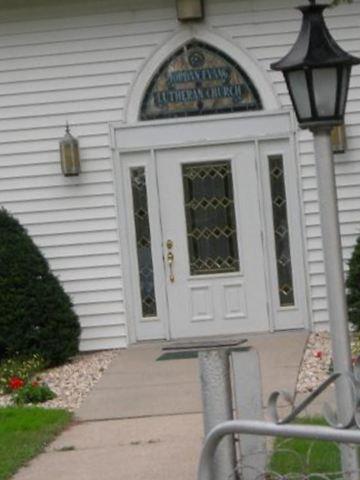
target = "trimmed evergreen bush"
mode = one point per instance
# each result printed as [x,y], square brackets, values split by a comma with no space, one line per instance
[36,315]
[353,286]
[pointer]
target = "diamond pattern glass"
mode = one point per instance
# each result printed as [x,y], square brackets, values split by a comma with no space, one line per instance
[143,242]
[281,231]
[210,218]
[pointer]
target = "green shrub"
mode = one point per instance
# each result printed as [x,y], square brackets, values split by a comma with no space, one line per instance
[33,393]
[36,315]
[18,367]
[353,287]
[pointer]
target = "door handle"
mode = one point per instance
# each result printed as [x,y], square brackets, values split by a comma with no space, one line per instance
[170,260]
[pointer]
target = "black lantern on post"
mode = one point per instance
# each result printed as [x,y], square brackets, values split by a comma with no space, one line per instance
[317,72]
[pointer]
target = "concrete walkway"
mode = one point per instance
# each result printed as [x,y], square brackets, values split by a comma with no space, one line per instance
[143,419]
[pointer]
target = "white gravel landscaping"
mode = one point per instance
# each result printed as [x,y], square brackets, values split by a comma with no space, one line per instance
[73,381]
[316,362]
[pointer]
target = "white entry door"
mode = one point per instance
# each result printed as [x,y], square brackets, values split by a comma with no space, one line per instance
[211,240]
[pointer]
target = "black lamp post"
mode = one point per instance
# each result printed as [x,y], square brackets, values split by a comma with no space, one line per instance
[317,73]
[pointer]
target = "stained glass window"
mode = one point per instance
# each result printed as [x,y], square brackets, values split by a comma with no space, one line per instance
[143,242]
[281,231]
[210,218]
[198,80]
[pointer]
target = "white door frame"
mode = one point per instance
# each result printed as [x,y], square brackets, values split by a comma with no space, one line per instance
[196,131]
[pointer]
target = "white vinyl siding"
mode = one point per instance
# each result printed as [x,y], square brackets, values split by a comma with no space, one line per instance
[75,62]
[54,68]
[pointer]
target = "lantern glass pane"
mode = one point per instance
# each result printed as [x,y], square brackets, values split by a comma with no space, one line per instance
[345,77]
[300,93]
[70,158]
[325,91]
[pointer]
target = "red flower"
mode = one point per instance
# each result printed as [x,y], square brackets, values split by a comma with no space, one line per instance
[15,383]
[318,354]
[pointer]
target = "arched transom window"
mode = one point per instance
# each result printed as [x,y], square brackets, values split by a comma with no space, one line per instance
[198,79]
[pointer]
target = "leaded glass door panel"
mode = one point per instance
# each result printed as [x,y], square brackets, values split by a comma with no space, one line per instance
[210,218]
[143,261]
[211,239]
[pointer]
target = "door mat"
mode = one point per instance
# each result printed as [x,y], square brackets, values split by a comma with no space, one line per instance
[177,356]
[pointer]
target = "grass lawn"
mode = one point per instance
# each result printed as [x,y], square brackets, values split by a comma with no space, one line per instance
[24,432]
[305,456]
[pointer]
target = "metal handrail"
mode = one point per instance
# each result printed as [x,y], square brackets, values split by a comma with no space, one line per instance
[255,427]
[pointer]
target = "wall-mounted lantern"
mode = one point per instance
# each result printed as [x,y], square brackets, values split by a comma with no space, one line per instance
[338,139]
[189,10]
[69,154]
